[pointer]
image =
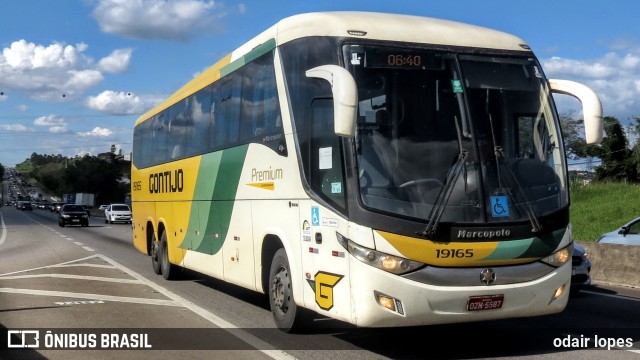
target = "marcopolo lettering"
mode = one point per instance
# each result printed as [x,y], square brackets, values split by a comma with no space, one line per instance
[483,234]
[166,182]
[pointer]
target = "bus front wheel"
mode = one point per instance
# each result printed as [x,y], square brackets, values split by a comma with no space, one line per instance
[287,315]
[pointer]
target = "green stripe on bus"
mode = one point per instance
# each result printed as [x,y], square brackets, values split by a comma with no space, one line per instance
[535,247]
[249,57]
[215,191]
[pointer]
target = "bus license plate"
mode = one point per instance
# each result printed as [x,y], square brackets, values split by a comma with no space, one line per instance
[485,302]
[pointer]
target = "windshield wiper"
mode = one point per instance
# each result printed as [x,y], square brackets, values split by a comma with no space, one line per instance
[502,161]
[459,167]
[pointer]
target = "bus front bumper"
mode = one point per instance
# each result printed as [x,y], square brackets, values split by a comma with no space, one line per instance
[392,300]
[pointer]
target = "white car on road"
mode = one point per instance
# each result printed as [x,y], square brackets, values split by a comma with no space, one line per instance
[117,213]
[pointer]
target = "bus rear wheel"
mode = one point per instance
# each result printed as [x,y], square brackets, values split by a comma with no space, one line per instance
[168,270]
[155,255]
[287,315]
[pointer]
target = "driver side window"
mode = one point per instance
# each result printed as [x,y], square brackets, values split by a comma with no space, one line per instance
[326,173]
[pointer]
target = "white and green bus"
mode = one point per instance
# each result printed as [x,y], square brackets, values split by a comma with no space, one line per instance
[380,169]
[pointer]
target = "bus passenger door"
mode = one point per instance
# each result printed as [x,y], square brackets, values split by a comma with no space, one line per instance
[324,259]
[324,262]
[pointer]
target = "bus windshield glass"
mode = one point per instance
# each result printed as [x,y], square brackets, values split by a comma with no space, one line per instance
[456,137]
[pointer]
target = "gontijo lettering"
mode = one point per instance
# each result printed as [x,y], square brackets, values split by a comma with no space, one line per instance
[166,182]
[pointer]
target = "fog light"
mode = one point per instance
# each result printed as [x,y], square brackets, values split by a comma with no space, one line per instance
[559,291]
[389,302]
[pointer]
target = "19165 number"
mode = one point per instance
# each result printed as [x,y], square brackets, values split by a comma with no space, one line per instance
[454,253]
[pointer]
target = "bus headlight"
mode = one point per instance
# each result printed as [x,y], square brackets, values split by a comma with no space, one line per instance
[393,264]
[559,257]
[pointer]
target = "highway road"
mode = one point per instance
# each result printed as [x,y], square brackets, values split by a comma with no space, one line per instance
[76,290]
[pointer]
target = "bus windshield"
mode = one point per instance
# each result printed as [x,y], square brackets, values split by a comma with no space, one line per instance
[450,137]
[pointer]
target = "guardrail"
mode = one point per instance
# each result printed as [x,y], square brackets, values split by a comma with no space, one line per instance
[614,264]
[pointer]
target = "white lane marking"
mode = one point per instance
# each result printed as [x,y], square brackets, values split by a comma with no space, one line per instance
[67,294]
[176,300]
[71,263]
[248,338]
[77,277]
[88,248]
[3,235]
[84,265]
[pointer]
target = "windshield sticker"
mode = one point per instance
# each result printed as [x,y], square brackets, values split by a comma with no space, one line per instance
[537,72]
[336,188]
[329,222]
[456,85]
[306,231]
[355,58]
[499,206]
[325,159]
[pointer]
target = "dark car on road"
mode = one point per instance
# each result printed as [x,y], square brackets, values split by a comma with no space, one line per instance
[24,205]
[581,269]
[71,214]
[55,206]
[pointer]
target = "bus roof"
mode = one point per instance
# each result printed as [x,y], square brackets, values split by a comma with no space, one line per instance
[361,25]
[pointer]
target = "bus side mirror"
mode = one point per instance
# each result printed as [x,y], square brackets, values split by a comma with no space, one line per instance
[345,97]
[591,107]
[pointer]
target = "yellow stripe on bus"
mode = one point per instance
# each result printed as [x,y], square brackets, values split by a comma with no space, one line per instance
[452,254]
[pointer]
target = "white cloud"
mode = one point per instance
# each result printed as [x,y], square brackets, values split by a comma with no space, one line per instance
[51,72]
[82,79]
[117,62]
[14,128]
[49,120]
[55,124]
[118,103]
[97,132]
[157,19]
[24,56]
[58,129]
[615,77]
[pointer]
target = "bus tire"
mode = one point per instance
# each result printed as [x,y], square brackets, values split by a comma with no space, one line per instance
[287,315]
[168,269]
[155,254]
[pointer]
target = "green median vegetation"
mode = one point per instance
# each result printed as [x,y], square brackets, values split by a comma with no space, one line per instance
[598,207]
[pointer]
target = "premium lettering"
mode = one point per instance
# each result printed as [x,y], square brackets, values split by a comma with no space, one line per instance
[166,182]
[265,175]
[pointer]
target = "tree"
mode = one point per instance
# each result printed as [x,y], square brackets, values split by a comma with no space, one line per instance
[88,174]
[617,162]
[575,145]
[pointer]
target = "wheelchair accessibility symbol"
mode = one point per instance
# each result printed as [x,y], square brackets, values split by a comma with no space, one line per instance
[499,206]
[315,216]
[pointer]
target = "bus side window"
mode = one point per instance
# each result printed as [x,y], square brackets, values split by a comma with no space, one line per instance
[197,137]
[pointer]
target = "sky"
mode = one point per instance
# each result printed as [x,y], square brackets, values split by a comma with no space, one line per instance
[76,74]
